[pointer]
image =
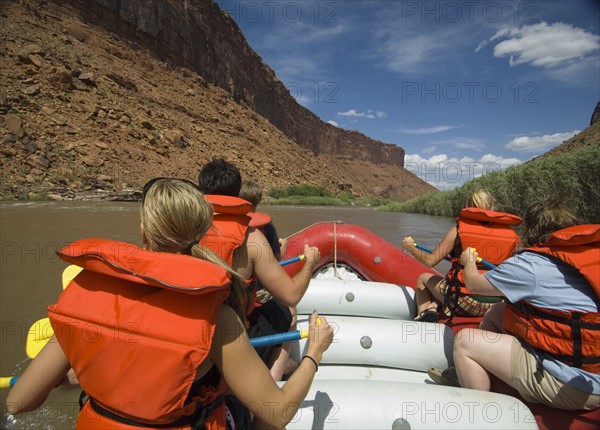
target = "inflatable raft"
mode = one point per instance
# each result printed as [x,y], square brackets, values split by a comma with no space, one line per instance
[374,375]
[373,404]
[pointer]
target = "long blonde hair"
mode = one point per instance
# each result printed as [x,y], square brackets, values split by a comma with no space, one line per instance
[174,217]
[481,199]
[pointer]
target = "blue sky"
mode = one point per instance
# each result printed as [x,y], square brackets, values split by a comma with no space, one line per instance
[465,87]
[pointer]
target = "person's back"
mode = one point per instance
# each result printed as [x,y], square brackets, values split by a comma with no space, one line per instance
[252,192]
[138,330]
[253,259]
[479,226]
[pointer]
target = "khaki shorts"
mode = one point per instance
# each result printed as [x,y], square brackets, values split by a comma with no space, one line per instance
[542,387]
[468,305]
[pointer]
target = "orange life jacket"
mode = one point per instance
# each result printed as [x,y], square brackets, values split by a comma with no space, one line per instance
[489,232]
[231,220]
[135,325]
[569,336]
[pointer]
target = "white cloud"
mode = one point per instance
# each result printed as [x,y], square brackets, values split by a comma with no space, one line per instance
[539,143]
[544,45]
[468,143]
[445,172]
[426,130]
[369,114]
[335,124]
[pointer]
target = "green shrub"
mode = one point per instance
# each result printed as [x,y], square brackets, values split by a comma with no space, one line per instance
[298,190]
[572,176]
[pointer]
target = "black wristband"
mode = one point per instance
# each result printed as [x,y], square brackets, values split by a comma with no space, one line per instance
[313,360]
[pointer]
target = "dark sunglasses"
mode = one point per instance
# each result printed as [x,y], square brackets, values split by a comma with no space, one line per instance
[151,182]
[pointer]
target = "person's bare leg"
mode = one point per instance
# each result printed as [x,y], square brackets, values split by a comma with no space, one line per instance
[280,357]
[493,319]
[424,292]
[477,353]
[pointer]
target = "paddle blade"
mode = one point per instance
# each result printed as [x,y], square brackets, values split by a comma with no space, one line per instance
[38,336]
[69,274]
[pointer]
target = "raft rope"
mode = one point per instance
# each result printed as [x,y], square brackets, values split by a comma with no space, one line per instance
[335,222]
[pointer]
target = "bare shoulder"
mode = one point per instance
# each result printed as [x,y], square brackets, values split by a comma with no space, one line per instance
[255,236]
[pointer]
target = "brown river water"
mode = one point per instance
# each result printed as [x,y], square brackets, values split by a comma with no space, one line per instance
[30,271]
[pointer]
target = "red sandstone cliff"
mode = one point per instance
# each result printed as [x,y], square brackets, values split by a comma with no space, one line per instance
[96,110]
[198,35]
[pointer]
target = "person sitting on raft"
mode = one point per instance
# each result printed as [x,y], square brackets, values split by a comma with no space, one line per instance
[236,237]
[252,192]
[156,336]
[480,227]
[549,345]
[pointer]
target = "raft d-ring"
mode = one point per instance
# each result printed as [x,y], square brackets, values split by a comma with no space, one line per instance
[401,424]
[377,260]
[349,297]
[366,342]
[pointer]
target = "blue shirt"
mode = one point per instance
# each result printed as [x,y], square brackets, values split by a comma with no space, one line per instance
[545,282]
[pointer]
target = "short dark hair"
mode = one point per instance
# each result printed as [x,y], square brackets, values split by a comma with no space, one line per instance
[220,177]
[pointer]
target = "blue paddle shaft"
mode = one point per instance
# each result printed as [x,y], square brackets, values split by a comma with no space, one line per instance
[291,260]
[429,251]
[274,339]
[481,260]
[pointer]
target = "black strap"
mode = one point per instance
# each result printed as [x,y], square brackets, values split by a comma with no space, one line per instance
[452,293]
[196,421]
[83,397]
[576,335]
[108,414]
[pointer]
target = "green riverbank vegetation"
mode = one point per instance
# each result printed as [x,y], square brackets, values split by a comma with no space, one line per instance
[573,176]
[315,196]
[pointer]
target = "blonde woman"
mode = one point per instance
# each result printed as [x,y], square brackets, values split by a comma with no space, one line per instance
[480,227]
[169,336]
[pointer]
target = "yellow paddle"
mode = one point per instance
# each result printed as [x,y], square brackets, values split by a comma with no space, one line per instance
[41,331]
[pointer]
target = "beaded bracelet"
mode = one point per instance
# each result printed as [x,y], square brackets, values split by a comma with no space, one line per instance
[313,360]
